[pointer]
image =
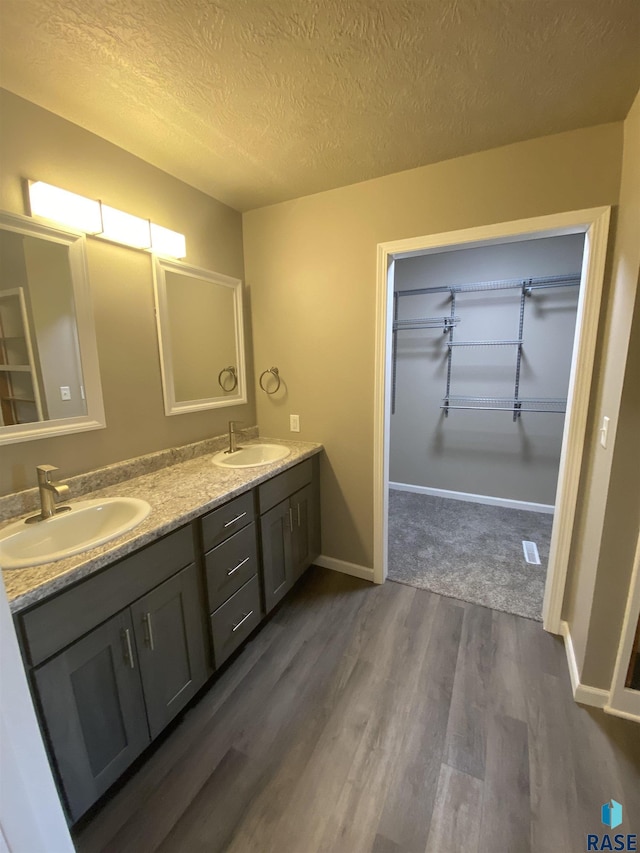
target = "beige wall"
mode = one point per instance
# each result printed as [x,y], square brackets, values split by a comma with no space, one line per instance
[311,267]
[36,144]
[601,565]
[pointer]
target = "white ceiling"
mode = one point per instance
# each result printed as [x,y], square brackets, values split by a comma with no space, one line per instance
[257,101]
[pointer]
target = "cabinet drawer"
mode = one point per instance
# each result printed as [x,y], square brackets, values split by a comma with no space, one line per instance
[285,484]
[55,624]
[235,620]
[230,565]
[227,519]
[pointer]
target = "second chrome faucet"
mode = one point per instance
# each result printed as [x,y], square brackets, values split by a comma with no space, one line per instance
[233,446]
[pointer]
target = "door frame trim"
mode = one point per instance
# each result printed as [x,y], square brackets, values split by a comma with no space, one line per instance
[594,224]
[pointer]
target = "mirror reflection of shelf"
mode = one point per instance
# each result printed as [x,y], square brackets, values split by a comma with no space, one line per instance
[632,681]
[19,392]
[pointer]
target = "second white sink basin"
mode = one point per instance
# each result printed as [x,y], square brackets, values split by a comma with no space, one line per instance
[86,525]
[251,456]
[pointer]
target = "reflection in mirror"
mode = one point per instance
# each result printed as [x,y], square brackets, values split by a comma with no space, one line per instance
[200,334]
[49,381]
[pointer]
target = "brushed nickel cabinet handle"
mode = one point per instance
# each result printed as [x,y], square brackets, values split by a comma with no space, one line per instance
[128,650]
[148,631]
[242,621]
[237,518]
[299,515]
[239,566]
[290,520]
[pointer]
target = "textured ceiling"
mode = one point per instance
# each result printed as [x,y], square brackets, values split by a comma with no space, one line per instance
[256,101]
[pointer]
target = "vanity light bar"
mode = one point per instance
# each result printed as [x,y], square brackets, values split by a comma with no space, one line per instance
[98,219]
[65,207]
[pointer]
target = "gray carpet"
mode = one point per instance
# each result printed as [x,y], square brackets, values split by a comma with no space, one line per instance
[468,551]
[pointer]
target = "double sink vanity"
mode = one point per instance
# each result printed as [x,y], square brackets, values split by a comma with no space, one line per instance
[127,601]
[118,636]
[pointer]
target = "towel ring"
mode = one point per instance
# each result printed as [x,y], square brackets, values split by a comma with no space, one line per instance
[274,372]
[234,378]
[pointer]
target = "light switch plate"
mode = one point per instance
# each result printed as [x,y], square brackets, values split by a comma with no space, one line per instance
[65,392]
[294,423]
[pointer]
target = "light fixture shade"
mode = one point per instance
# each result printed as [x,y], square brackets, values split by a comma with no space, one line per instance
[125,228]
[65,207]
[167,242]
[100,220]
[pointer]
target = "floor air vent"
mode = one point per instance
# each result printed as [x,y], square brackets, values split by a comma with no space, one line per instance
[531,552]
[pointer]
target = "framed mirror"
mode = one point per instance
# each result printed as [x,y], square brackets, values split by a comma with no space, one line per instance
[200,335]
[49,374]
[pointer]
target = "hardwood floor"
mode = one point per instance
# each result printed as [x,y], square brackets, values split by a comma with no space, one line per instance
[384,719]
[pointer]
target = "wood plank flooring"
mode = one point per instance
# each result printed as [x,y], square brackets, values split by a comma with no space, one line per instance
[380,719]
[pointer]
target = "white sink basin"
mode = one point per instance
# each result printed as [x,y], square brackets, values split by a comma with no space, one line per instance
[251,456]
[86,525]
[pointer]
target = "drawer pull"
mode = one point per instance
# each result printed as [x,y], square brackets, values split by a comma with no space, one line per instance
[239,566]
[128,650]
[242,621]
[237,518]
[290,520]
[148,631]
[298,515]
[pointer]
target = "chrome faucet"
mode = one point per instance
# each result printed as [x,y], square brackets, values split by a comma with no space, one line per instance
[232,437]
[49,493]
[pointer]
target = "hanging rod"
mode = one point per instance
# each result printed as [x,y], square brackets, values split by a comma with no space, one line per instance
[426,323]
[541,405]
[504,284]
[483,343]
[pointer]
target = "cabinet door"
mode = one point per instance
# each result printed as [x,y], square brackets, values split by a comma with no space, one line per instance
[171,646]
[276,526]
[306,528]
[91,700]
[302,512]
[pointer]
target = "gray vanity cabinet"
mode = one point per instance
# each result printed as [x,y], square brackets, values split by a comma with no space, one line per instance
[93,708]
[290,529]
[115,658]
[169,640]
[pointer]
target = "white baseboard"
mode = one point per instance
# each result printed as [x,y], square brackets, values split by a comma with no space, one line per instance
[626,715]
[476,499]
[582,693]
[346,568]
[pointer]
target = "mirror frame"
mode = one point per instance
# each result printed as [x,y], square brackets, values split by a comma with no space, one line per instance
[172,406]
[85,323]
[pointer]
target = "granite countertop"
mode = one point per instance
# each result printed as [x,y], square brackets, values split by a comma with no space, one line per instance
[177,495]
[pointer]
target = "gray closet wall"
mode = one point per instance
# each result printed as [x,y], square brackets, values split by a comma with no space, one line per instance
[484,452]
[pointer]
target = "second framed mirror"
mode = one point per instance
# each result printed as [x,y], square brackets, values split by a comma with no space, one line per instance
[200,335]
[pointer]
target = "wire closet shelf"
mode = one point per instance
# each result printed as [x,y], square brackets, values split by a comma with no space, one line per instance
[516,404]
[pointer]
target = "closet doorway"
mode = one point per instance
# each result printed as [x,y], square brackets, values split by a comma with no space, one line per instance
[486,341]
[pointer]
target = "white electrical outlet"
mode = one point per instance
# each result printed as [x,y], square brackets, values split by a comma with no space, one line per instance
[294,423]
[604,431]
[65,392]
